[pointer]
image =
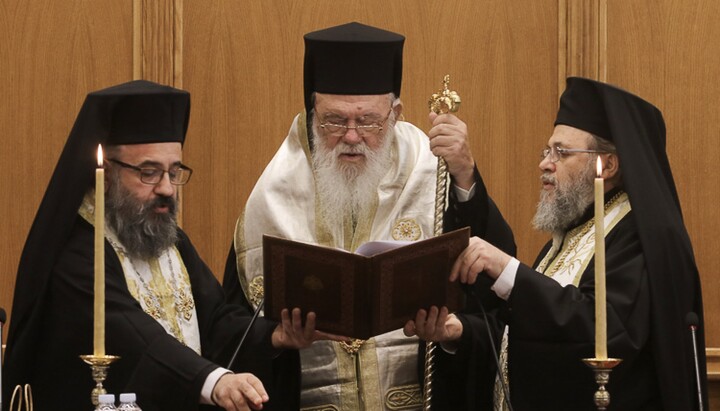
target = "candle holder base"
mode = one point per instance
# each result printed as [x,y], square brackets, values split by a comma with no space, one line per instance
[602,368]
[99,365]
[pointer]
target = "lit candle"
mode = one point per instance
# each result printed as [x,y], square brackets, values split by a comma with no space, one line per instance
[600,303]
[99,326]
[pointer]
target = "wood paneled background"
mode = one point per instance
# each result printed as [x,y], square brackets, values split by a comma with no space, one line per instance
[242,62]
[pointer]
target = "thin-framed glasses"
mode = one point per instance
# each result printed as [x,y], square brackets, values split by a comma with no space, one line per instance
[178,175]
[558,153]
[363,130]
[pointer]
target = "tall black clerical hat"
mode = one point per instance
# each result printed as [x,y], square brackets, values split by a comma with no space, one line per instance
[352,59]
[637,129]
[130,113]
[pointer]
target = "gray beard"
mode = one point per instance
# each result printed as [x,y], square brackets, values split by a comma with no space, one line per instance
[142,232]
[347,189]
[559,214]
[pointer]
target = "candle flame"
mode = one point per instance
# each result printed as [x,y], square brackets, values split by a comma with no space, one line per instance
[599,167]
[100,156]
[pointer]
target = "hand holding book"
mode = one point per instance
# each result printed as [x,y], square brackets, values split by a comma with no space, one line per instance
[360,296]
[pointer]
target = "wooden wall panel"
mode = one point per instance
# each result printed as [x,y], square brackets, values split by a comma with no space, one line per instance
[669,53]
[582,40]
[243,66]
[157,47]
[52,54]
[242,62]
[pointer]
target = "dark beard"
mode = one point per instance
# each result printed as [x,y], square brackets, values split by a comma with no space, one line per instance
[142,232]
[563,212]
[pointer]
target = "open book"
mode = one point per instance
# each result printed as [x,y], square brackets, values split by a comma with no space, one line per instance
[357,295]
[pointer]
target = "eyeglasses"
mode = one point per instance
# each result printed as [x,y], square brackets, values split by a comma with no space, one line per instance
[558,153]
[363,130]
[178,175]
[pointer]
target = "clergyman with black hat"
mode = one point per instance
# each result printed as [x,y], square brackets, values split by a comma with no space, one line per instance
[166,315]
[652,281]
[350,172]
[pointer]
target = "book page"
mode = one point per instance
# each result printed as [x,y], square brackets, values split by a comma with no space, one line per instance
[371,248]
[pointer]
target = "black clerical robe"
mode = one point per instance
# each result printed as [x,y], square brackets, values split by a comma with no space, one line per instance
[163,373]
[551,328]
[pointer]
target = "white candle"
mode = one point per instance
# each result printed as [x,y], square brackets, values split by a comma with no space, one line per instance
[600,303]
[99,324]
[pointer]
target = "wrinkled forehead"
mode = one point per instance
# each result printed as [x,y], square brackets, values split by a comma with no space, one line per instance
[339,103]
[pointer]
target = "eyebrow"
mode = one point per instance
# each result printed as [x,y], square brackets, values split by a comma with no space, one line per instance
[557,144]
[336,116]
[333,116]
[151,163]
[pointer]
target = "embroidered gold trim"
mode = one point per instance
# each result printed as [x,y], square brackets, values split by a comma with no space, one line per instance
[406,229]
[326,407]
[369,380]
[577,234]
[405,397]
[353,347]
[256,290]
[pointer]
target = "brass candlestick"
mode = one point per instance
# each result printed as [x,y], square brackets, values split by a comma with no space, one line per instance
[601,368]
[444,101]
[99,365]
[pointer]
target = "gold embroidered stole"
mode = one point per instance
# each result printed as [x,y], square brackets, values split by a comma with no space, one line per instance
[568,258]
[161,285]
[565,263]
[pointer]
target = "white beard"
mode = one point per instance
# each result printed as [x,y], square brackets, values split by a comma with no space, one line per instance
[558,214]
[349,189]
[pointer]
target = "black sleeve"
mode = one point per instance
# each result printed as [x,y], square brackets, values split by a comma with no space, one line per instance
[464,381]
[278,370]
[282,376]
[568,313]
[482,216]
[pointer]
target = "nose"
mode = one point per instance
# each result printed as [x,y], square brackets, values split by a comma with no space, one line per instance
[546,164]
[352,136]
[164,187]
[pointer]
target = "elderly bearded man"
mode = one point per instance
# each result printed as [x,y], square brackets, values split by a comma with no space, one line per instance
[350,172]
[166,315]
[652,280]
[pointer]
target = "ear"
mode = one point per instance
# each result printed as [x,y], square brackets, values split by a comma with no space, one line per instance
[611,167]
[398,109]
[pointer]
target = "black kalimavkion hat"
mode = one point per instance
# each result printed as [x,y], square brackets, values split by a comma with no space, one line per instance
[353,59]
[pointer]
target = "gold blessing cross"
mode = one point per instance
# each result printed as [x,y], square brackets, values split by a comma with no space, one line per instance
[445,101]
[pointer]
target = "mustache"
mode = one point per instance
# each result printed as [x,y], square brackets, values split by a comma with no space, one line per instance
[162,201]
[344,148]
[548,179]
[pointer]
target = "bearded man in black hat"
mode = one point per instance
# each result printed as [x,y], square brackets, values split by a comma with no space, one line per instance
[166,315]
[651,276]
[350,172]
